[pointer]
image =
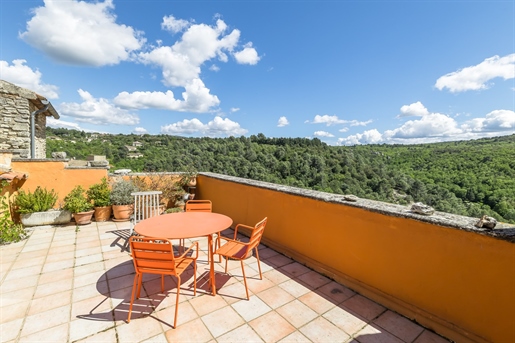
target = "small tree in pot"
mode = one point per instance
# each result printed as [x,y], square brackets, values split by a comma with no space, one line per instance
[36,208]
[100,196]
[77,203]
[122,199]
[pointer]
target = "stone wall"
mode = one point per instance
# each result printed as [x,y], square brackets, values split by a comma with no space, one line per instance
[15,126]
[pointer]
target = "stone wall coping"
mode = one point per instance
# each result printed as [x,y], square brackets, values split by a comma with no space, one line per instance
[39,160]
[503,231]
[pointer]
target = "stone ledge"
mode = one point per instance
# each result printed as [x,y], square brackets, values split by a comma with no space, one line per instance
[503,231]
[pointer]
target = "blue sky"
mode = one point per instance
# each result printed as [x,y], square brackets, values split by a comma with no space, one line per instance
[347,72]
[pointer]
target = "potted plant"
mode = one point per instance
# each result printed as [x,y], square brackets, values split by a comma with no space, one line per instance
[77,203]
[99,195]
[37,208]
[122,200]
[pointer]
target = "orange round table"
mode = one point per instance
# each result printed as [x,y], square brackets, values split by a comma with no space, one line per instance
[187,225]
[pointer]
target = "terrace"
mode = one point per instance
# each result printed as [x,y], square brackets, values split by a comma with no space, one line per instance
[334,271]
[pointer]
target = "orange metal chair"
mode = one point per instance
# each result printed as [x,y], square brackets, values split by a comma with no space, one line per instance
[201,206]
[155,256]
[238,250]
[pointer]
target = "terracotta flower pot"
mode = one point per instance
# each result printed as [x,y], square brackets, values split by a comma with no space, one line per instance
[83,218]
[103,213]
[122,212]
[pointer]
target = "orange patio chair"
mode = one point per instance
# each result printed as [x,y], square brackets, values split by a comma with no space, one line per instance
[238,250]
[155,256]
[201,206]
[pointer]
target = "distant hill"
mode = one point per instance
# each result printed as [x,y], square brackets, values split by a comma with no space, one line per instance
[466,177]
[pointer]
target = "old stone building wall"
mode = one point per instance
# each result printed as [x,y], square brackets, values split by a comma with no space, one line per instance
[15,124]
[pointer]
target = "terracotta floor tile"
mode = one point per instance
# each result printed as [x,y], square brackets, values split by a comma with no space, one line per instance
[252,308]
[430,337]
[256,285]
[89,291]
[105,336]
[399,326]
[295,337]
[29,281]
[161,338]
[234,292]
[57,333]
[272,327]
[275,297]
[53,288]
[222,321]
[294,288]
[193,331]
[206,303]
[58,265]
[375,334]
[366,308]
[16,274]
[318,302]
[266,253]
[321,330]
[89,268]
[56,275]
[91,307]
[45,320]
[336,292]
[276,276]
[49,302]
[89,259]
[15,311]
[88,279]
[28,262]
[63,256]
[88,251]
[313,280]
[82,328]
[294,269]
[243,333]
[297,313]
[139,329]
[278,260]
[348,322]
[9,330]
[16,296]
[167,315]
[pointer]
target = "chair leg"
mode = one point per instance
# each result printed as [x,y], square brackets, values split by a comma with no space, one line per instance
[226,259]
[134,286]
[259,264]
[195,278]
[177,302]
[218,244]
[162,283]
[244,279]
[140,281]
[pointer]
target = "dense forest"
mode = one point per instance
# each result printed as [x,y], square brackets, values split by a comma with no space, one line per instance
[470,178]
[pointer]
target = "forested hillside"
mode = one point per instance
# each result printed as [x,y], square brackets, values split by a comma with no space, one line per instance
[467,177]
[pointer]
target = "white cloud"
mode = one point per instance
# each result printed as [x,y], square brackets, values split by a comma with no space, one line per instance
[214,68]
[97,111]
[437,127]
[23,76]
[139,130]
[196,99]
[215,128]
[283,121]
[248,55]
[81,33]
[414,109]
[495,121]
[58,123]
[174,25]
[476,77]
[234,109]
[323,134]
[327,120]
[345,129]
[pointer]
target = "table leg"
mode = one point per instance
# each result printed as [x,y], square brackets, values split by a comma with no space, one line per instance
[211,264]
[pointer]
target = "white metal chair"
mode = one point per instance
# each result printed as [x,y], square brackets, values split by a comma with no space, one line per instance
[146,205]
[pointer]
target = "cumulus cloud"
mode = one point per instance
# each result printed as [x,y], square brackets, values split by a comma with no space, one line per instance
[196,98]
[214,67]
[248,55]
[24,76]
[323,134]
[438,127]
[216,128]
[97,111]
[283,121]
[86,33]
[476,77]
[139,130]
[414,109]
[234,109]
[170,23]
[55,123]
[327,120]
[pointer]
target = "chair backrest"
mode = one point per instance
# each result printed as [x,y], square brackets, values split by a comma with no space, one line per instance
[152,255]
[198,206]
[146,205]
[257,233]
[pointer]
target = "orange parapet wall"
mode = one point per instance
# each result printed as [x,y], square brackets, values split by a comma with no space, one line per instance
[458,283]
[55,175]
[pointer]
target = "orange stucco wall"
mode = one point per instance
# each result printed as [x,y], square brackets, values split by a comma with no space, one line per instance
[460,284]
[54,175]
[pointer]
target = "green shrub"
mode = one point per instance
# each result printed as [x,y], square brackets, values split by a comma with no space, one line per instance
[100,194]
[9,231]
[40,201]
[76,201]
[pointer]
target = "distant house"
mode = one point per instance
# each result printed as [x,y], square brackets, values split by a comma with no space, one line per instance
[134,155]
[137,144]
[131,148]
[23,121]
